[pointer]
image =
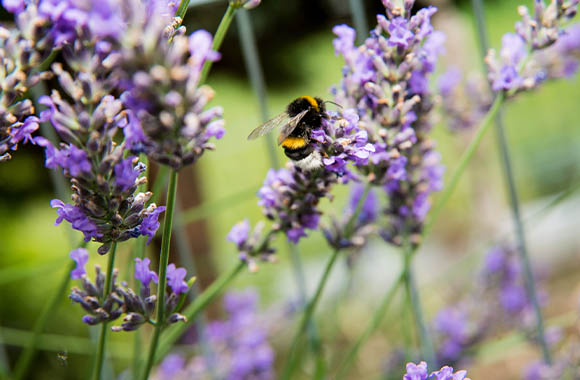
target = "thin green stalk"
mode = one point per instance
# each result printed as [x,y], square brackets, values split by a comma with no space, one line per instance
[370,329]
[98,367]
[308,312]
[359,19]
[218,38]
[182,10]
[426,344]
[191,312]
[464,160]
[163,262]
[478,11]
[290,364]
[256,75]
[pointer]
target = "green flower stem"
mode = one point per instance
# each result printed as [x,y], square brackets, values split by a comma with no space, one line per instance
[98,366]
[309,311]
[371,328]
[478,11]
[191,312]
[163,262]
[182,10]
[464,160]
[290,364]
[427,350]
[361,26]
[218,38]
[49,309]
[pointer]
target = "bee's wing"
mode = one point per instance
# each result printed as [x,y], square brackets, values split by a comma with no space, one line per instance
[290,126]
[269,125]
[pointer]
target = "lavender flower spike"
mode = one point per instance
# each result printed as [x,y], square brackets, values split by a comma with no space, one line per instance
[169,119]
[386,84]
[81,257]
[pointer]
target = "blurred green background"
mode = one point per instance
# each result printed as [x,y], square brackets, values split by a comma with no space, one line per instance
[295,45]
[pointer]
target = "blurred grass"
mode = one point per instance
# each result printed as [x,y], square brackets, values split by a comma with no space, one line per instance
[542,129]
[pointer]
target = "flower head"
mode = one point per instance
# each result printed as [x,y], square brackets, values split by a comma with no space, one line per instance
[393,105]
[523,62]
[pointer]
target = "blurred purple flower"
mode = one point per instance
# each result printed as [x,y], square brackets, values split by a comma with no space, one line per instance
[239,233]
[150,223]
[175,277]
[14,6]
[81,257]
[143,273]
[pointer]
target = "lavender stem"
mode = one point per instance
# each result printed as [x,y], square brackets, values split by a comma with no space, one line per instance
[163,262]
[427,350]
[98,367]
[218,38]
[309,311]
[478,11]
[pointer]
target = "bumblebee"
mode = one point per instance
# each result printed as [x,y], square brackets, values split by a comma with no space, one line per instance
[301,116]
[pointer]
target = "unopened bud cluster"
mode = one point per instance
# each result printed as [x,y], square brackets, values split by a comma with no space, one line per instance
[138,308]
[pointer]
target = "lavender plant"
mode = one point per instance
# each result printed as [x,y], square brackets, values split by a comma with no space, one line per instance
[23,51]
[515,70]
[138,307]
[386,81]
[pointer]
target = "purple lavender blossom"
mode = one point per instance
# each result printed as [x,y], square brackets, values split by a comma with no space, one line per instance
[251,245]
[126,173]
[14,6]
[370,207]
[399,33]
[143,273]
[75,216]
[150,223]
[449,80]
[523,62]
[419,372]
[394,103]
[174,126]
[506,79]
[81,257]
[175,277]
[239,233]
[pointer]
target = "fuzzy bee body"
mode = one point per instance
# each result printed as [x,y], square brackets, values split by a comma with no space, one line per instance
[301,116]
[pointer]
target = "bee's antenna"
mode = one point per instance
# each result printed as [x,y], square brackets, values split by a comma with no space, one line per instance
[331,102]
